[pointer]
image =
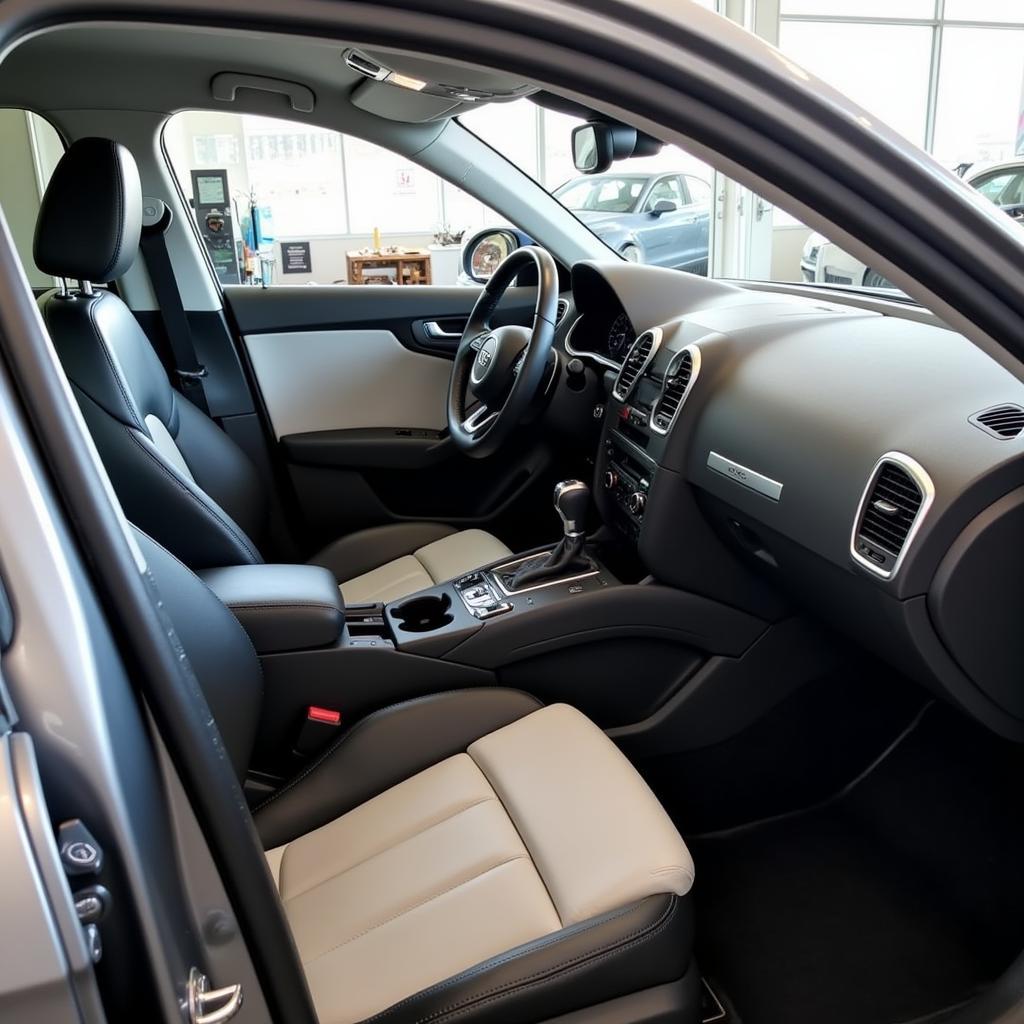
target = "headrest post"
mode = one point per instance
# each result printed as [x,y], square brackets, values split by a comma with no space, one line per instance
[62,284]
[85,287]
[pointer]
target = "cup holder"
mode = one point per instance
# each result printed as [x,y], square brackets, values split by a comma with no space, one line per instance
[424,614]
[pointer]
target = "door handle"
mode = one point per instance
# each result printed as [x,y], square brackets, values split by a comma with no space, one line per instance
[433,330]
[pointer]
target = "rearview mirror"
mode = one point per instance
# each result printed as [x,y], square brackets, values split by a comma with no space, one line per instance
[596,144]
[663,206]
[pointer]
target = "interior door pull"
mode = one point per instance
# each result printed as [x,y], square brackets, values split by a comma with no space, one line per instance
[433,330]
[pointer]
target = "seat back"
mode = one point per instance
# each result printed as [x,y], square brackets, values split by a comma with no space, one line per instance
[177,474]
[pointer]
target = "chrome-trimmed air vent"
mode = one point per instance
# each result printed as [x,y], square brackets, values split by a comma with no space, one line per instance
[896,499]
[680,374]
[639,357]
[560,310]
[1004,422]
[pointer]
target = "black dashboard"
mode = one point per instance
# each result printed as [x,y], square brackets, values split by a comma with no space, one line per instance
[866,465]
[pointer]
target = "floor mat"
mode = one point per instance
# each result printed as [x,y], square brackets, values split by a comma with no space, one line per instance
[900,897]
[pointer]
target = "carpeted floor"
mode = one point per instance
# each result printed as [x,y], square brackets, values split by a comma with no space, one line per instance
[901,896]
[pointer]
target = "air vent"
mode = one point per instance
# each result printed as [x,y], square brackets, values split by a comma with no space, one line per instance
[560,310]
[1003,421]
[895,501]
[679,378]
[637,360]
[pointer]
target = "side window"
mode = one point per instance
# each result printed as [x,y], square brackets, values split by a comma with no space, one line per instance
[283,202]
[700,191]
[30,151]
[992,188]
[669,189]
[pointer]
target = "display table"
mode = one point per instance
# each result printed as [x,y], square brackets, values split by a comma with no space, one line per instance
[407,266]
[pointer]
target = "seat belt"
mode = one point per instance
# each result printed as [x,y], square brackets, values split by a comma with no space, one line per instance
[156,219]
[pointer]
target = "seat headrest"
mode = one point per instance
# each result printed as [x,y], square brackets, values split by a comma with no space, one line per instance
[90,218]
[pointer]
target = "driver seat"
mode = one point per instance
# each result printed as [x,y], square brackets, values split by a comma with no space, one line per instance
[180,477]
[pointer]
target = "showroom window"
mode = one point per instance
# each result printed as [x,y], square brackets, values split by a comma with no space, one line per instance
[301,204]
[29,150]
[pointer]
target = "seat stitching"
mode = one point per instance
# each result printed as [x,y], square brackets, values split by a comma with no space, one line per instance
[129,402]
[416,906]
[560,970]
[385,849]
[197,499]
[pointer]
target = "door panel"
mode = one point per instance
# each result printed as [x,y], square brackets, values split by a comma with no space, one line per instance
[354,381]
[338,380]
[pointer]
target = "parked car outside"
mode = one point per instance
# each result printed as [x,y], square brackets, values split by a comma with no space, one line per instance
[823,262]
[661,219]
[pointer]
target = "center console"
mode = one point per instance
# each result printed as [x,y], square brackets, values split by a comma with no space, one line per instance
[645,399]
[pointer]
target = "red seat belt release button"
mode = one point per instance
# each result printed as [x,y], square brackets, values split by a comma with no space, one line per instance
[319,728]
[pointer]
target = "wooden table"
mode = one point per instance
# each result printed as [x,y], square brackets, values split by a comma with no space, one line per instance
[407,266]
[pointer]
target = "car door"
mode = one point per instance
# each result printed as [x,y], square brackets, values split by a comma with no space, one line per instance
[351,378]
[665,236]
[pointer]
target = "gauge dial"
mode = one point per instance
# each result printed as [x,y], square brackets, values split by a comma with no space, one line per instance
[620,337]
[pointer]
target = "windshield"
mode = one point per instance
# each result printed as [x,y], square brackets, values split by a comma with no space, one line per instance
[671,209]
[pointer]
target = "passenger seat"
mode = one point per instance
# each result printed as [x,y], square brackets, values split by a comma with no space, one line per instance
[178,475]
[469,856]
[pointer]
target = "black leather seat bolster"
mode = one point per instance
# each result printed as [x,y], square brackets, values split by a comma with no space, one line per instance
[625,951]
[382,750]
[282,607]
[360,552]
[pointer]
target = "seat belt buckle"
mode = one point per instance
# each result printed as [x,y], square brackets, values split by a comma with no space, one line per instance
[320,726]
[193,375]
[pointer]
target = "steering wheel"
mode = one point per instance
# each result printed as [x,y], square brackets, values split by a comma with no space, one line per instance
[498,370]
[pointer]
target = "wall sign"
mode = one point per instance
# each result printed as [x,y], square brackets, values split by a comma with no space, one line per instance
[295,258]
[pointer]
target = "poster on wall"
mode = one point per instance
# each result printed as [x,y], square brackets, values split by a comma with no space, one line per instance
[296,258]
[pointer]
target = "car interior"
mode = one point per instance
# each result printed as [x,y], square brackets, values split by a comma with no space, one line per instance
[606,640]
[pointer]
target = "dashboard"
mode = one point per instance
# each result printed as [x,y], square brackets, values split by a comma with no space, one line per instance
[868,465]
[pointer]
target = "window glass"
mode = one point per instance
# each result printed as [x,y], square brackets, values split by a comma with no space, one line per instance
[294,202]
[865,8]
[29,152]
[700,190]
[1010,11]
[896,90]
[980,94]
[665,190]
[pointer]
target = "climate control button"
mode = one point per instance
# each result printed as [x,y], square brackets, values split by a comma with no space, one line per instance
[636,503]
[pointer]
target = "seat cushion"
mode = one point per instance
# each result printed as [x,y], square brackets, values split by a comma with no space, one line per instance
[539,830]
[433,563]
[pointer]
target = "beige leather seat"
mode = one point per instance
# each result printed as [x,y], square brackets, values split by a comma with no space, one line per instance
[538,838]
[440,560]
[469,856]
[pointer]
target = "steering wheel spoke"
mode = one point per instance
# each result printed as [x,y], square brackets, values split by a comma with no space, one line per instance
[479,418]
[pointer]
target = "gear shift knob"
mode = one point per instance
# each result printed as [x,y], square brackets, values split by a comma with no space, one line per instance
[572,498]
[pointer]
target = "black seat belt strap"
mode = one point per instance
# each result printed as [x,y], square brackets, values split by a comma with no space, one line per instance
[189,371]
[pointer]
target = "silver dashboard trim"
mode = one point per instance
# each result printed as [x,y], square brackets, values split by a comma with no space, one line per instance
[920,476]
[583,354]
[745,477]
[694,351]
[494,572]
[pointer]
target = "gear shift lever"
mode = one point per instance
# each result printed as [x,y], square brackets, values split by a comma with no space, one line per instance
[572,499]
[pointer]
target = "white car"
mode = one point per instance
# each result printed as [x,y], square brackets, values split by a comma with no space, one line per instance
[823,262]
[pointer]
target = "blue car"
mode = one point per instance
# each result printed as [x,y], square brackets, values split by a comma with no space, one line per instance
[649,218]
